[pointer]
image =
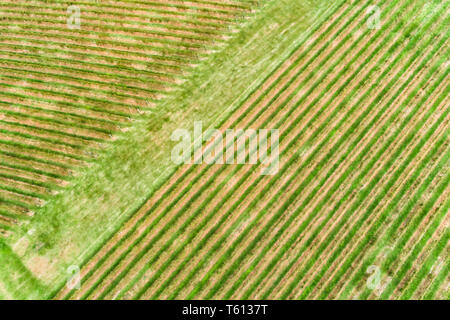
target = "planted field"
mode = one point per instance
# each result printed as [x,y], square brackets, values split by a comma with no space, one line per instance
[68,90]
[357,92]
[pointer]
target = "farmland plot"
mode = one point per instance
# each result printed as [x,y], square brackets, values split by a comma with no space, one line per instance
[356,91]
[73,77]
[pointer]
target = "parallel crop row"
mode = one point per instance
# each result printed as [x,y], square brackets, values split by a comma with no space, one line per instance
[65,92]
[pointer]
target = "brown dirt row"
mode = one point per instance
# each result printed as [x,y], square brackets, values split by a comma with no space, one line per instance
[181,26]
[14,97]
[213,16]
[14,210]
[37,81]
[170,6]
[42,155]
[120,70]
[99,55]
[430,277]
[80,36]
[153,40]
[67,150]
[435,208]
[28,200]
[218,13]
[335,176]
[140,63]
[231,6]
[111,21]
[32,176]
[71,76]
[184,22]
[69,98]
[70,120]
[210,6]
[424,254]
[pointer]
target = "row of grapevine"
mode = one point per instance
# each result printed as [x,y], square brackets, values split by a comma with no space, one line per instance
[129,245]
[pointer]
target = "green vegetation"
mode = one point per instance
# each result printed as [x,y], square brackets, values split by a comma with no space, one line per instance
[86,177]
